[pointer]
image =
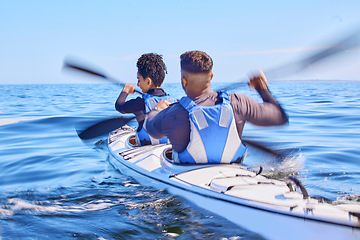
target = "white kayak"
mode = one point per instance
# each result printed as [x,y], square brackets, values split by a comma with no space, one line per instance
[266,206]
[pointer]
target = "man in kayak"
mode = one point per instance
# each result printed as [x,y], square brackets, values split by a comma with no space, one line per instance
[150,75]
[206,126]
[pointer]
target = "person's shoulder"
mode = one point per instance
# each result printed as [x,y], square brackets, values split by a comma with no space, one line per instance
[237,96]
[175,104]
[137,100]
[175,112]
[175,108]
[240,99]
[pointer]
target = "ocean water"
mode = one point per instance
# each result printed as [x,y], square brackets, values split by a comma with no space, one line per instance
[54,185]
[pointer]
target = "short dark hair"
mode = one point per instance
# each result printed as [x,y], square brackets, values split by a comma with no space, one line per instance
[152,65]
[196,62]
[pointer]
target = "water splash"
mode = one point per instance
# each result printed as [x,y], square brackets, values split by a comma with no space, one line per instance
[18,205]
[280,169]
[349,203]
[351,199]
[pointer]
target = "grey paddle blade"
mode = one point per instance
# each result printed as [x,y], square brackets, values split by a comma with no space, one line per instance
[104,127]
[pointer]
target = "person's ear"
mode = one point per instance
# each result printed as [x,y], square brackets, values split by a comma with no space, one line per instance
[212,75]
[184,82]
[149,81]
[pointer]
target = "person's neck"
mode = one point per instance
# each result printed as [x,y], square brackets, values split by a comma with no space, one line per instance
[152,89]
[196,93]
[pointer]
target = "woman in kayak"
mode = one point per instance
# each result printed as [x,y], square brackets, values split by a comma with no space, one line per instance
[206,126]
[150,75]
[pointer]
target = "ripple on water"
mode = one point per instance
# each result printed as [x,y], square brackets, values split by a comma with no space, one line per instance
[110,208]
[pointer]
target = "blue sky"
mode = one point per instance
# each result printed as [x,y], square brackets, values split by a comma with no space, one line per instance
[240,36]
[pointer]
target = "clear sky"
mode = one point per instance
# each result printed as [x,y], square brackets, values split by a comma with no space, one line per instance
[36,36]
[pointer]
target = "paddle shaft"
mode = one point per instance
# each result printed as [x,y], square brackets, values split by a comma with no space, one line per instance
[344,44]
[93,72]
[349,42]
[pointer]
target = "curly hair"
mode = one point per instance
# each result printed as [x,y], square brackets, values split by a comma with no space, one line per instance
[152,65]
[196,62]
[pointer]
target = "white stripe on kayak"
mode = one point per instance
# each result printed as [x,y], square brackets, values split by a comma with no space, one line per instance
[150,163]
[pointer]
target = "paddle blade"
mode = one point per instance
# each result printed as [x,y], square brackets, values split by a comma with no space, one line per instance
[104,127]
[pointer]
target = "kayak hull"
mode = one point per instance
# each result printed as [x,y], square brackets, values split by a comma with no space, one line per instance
[233,192]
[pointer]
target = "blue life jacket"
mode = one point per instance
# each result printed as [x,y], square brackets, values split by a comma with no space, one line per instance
[213,134]
[142,137]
